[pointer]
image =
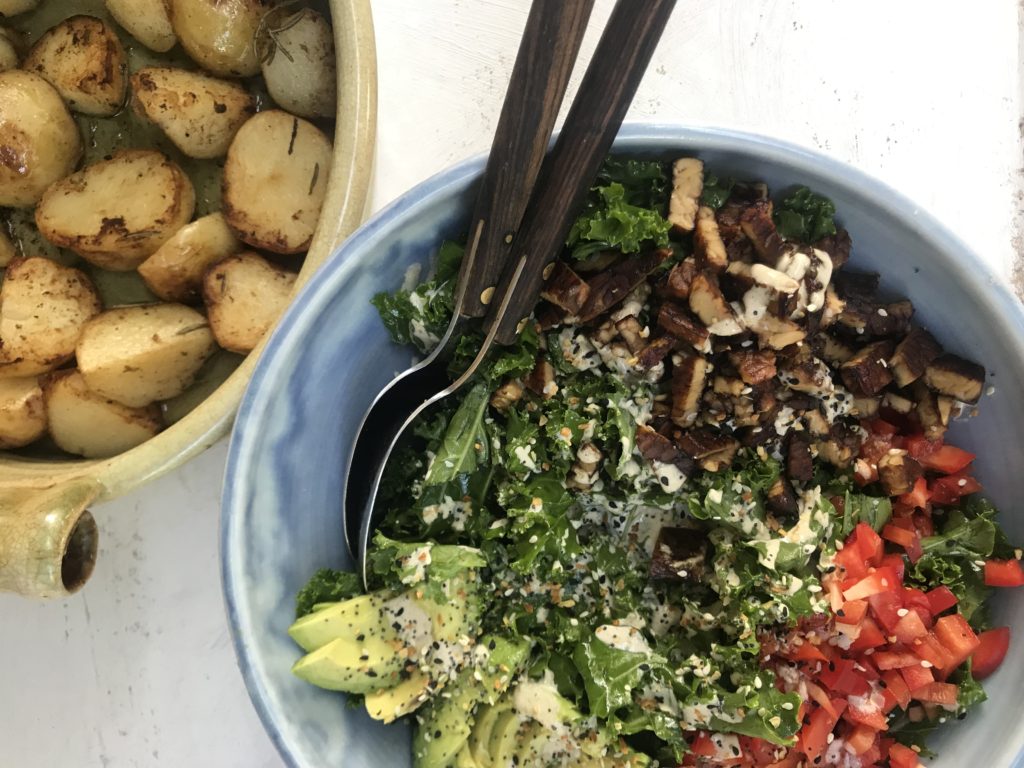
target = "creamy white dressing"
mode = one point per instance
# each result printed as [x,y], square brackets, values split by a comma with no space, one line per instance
[670,477]
[527,457]
[622,638]
[411,622]
[416,562]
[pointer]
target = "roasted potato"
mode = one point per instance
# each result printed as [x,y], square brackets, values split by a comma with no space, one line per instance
[117,212]
[297,54]
[175,272]
[22,412]
[8,252]
[43,308]
[148,21]
[288,155]
[13,7]
[200,114]
[9,53]
[138,355]
[220,35]
[40,139]
[84,60]
[245,295]
[90,425]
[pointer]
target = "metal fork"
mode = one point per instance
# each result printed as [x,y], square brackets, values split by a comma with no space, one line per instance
[525,206]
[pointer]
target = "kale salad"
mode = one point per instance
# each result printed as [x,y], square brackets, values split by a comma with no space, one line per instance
[703,512]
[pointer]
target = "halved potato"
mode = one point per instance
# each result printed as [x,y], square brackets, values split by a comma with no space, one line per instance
[245,295]
[9,53]
[148,21]
[90,425]
[40,139]
[8,252]
[117,212]
[12,7]
[138,355]
[43,308]
[275,178]
[175,272]
[200,114]
[83,59]
[220,35]
[297,55]
[22,412]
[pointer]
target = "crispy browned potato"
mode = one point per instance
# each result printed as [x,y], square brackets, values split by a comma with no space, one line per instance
[245,295]
[220,35]
[138,355]
[275,179]
[89,425]
[117,212]
[298,63]
[175,272]
[83,59]
[43,308]
[200,114]
[22,412]
[40,139]
[148,21]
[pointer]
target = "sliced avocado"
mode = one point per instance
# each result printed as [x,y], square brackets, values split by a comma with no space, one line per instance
[465,758]
[504,660]
[348,619]
[479,739]
[350,666]
[321,606]
[389,704]
[459,615]
[501,746]
[446,722]
[533,744]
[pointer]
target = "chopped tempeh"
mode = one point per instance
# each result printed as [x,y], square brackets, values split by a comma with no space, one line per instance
[799,464]
[928,412]
[655,352]
[708,303]
[565,289]
[866,407]
[781,498]
[833,350]
[953,376]
[841,447]
[897,472]
[756,223]
[679,555]
[678,284]
[707,241]
[687,187]
[755,366]
[913,355]
[610,287]
[837,246]
[867,372]
[702,443]
[688,379]
[541,380]
[678,322]
[632,333]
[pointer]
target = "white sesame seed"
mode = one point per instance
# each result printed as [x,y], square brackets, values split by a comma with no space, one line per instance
[902,612]
[927,664]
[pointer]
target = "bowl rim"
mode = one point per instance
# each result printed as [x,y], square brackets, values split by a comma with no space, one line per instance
[320,290]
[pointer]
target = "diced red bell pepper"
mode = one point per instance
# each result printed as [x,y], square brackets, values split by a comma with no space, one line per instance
[903,757]
[870,716]
[813,738]
[909,540]
[991,651]
[948,460]
[851,562]
[930,649]
[918,496]
[910,628]
[895,659]
[868,543]
[941,599]
[916,676]
[881,427]
[871,636]
[897,563]
[819,695]
[1004,573]
[943,694]
[702,746]
[805,652]
[897,687]
[885,606]
[949,489]
[916,600]
[852,612]
[861,739]
[842,676]
[957,638]
[884,579]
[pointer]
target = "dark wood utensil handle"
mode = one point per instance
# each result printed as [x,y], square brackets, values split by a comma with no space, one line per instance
[550,45]
[607,90]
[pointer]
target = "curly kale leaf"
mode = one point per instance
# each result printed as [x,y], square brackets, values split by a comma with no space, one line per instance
[610,221]
[326,586]
[805,216]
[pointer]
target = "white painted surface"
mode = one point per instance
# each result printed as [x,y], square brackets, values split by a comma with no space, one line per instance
[926,94]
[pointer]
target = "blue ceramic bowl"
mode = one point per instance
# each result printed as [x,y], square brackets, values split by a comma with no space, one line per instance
[330,355]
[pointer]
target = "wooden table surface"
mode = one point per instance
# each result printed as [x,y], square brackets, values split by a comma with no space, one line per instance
[138,670]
